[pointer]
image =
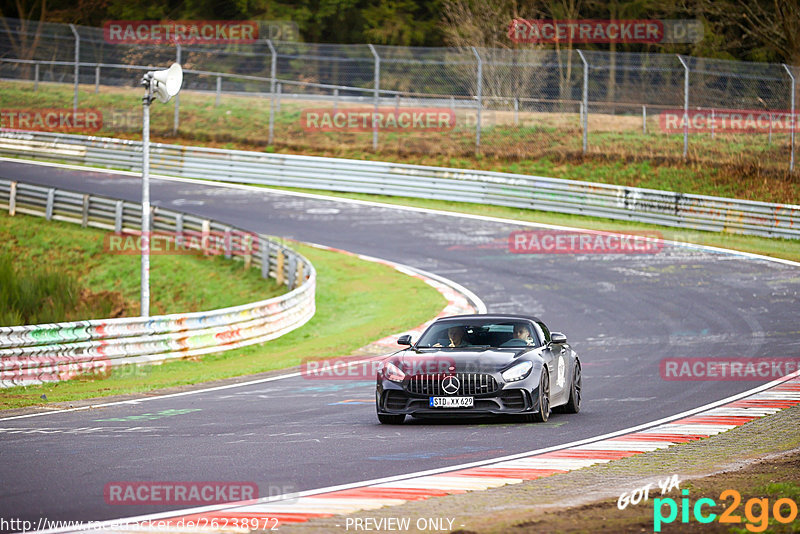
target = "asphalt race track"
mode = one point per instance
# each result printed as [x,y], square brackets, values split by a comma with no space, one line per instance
[623,313]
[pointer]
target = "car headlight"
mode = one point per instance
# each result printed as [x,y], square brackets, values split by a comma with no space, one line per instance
[393,373]
[518,372]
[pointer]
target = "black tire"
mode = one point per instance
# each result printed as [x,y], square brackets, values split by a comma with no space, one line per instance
[544,399]
[573,405]
[389,419]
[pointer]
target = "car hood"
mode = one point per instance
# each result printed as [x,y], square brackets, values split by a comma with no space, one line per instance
[414,362]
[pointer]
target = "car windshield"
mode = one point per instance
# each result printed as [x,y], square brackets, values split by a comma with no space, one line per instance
[501,334]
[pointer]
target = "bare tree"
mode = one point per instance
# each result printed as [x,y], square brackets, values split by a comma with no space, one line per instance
[24,39]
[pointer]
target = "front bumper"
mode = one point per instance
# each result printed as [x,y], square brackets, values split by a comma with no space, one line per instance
[393,398]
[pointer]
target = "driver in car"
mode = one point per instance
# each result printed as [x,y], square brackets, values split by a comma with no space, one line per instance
[457,335]
[523,333]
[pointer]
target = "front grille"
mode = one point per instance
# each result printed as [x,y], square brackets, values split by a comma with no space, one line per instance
[470,384]
[513,399]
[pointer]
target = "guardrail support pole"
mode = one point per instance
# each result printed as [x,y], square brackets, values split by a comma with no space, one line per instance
[219,89]
[12,199]
[335,100]
[85,212]
[36,76]
[48,210]
[118,217]
[175,118]
[263,248]
[278,103]
[77,66]
[272,70]
[585,102]
[145,290]
[685,108]
[376,97]
[479,96]
[794,117]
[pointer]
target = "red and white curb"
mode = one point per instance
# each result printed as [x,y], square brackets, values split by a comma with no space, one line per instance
[341,500]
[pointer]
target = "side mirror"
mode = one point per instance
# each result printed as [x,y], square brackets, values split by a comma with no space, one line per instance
[558,338]
[404,340]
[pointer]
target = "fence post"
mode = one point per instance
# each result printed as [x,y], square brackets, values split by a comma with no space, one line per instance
[77,66]
[585,102]
[644,119]
[685,108]
[36,76]
[219,89]
[97,79]
[175,118]
[516,111]
[794,118]
[769,137]
[278,103]
[272,69]
[713,122]
[335,100]
[377,89]
[480,99]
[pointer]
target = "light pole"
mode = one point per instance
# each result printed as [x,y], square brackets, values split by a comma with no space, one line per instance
[163,85]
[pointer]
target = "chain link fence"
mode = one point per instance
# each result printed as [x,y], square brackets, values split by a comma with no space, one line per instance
[515,104]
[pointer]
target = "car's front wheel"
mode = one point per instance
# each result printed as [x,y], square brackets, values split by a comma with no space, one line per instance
[389,419]
[574,403]
[543,402]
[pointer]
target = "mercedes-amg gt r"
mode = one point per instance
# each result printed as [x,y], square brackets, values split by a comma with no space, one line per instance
[480,365]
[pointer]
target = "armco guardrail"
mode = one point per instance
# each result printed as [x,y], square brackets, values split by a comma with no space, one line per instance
[502,189]
[48,352]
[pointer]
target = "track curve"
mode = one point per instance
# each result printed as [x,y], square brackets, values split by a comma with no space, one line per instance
[622,314]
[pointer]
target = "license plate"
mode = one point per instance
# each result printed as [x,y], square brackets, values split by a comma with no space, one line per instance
[451,402]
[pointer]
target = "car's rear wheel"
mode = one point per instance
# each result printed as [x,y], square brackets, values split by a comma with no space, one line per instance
[391,419]
[544,399]
[574,403]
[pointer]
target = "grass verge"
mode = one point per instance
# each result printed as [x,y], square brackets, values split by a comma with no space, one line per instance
[178,283]
[357,302]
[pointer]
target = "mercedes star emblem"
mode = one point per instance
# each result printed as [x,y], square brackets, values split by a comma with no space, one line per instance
[450,385]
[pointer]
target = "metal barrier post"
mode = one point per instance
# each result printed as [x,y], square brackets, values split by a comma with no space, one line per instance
[272,69]
[376,97]
[794,118]
[36,76]
[77,66]
[97,79]
[335,100]
[479,96]
[685,108]
[175,119]
[585,103]
[219,89]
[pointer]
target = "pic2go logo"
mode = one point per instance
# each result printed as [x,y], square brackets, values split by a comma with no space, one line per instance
[756,511]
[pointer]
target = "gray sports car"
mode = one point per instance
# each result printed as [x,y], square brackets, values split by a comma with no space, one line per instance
[480,365]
